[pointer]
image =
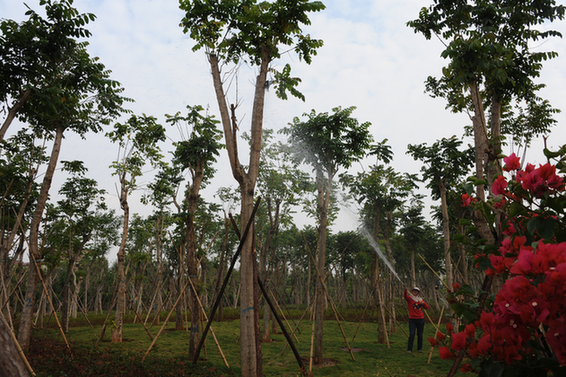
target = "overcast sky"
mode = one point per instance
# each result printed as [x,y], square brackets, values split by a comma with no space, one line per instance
[370,59]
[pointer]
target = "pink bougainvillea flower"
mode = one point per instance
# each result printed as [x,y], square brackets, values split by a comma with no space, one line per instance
[499,185]
[450,328]
[433,342]
[470,330]
[556,337]
[484,345]
[467,200]
[473,349]
[498,263]
[500,204]
[512,162]
[458,341]
[510,230]
[466,368]
[445,353]
[511,354]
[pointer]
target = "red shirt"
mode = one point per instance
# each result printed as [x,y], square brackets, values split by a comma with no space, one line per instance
[415,310]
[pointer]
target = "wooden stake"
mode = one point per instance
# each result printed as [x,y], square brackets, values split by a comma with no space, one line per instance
[434,272]
[166,319]
[20,351]
[312,335]
[211,330]
[137,315]
[439,320]
[226,279]
[330,300]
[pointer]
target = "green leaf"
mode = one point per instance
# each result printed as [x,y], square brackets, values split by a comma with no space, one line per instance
[544,226]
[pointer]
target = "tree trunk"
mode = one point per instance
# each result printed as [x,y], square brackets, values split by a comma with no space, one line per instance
[192,264]
[121,257]
[13,111]
[320,304]
[11,363]
[24,334]
[248,350]
[446,232]
[480,149]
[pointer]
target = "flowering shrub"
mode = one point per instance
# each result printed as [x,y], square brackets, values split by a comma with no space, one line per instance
[524,328]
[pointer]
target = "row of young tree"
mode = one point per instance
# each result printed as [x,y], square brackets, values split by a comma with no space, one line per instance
[177,258]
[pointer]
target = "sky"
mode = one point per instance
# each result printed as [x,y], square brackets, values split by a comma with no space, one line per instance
[370,59]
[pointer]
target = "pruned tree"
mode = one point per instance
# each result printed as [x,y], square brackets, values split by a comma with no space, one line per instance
[444,168]
[256,33]
[138,140]
[83,99]
[491,64]
[327,142]
[195,154]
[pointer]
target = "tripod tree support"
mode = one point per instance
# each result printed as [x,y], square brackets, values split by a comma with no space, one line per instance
[225,283]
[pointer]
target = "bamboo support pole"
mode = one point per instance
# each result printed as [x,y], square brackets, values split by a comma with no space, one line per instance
[226,280]
[34,262]
[432,348]
[322,281]
[312,336]
[158,313]
[434,272]
[206,318]
[430,319]
[114,301]
[360,321]
[83,311]
[17,344]
[166,320]
[281,311]
[297,327]
[283,328]
[137,315]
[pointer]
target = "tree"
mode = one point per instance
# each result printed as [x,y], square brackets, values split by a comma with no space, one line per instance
[33,52]
[381,191]
[137,140]
[196,154]
[412,228]
[84,99]
[20,158]
[489,53]
[327,142]
[81,209]
[256,33]
[444,166]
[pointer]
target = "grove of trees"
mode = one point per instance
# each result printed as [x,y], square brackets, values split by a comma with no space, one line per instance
[65,253]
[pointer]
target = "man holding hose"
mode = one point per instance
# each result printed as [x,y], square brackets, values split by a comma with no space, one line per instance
[416,317]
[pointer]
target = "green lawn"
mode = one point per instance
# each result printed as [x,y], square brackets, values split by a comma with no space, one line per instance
[168,356]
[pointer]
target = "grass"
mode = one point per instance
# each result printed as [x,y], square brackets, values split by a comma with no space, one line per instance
[169,355]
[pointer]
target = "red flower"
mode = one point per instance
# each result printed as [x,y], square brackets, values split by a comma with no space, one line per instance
[473,350]
[433,342]
[499,185]
[450,328]
[511,162]
[445,353]
[466,368]
[458,341]
[511,354]
[467,200]
[470,330]
[484,345]
[440,336]
[500,203]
